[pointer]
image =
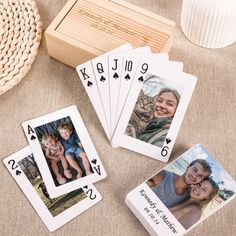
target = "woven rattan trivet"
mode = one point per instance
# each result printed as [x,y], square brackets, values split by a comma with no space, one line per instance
[20,34]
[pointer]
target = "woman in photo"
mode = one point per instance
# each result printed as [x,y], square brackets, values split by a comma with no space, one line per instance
[166,103]
[190,210]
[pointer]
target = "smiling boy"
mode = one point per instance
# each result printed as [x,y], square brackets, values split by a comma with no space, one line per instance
[73,148]
[172,188]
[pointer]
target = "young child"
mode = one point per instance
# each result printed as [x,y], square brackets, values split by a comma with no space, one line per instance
[73,148]
[54,151]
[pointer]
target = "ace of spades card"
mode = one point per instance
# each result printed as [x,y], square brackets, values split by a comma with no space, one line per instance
[63,151]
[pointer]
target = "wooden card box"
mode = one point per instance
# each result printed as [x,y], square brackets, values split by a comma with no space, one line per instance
[84,29]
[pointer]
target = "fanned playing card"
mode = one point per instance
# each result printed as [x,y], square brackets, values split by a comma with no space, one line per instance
[130,64]
[154,108]
[101,72]
[87,76]
[116,64]
[54,212]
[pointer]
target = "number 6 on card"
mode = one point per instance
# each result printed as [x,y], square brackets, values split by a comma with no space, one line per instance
[154,109]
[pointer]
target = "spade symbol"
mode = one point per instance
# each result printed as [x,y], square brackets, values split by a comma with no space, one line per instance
[89,84]
[115,76]
[140,79]
[18,172]
[86,186]
[168,140]
[33,137]
[94,161]
[102,78]
[127,77]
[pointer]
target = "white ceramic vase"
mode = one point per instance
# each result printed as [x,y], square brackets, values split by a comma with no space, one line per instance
[209,23]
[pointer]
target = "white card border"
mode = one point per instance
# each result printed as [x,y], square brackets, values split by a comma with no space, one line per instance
[52,223]
[132,201]
[104,87]
[73,113]
[164,71]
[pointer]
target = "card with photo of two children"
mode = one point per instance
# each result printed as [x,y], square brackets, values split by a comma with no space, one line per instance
[58,168]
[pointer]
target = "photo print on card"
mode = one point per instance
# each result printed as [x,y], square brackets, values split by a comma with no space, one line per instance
[184,193]
[154,110]
[30,169]
[54,212]
[63,151]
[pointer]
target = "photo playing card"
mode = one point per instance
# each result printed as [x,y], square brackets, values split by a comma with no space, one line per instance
[63,150]
[54,212]
[183,194]
[115,69]
[130,64]
[100,68]
[154,109]
[87,77]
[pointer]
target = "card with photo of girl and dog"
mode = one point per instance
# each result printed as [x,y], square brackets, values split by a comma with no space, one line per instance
[63,151]
[183,194]
[154,109]
[54,212]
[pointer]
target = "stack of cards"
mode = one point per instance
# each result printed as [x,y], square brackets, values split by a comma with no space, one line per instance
[183,194]
[140,98]
[56,171]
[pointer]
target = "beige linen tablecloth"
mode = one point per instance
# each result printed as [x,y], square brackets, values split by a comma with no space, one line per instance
[51,85]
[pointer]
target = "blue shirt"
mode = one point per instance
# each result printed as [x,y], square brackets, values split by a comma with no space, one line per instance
[73,141]
[165,190]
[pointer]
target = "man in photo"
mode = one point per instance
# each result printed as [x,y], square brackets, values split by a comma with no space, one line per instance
[172,188]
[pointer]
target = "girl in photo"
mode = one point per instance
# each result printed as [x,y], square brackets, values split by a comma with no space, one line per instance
[190,210]
[54,152]
[166,103]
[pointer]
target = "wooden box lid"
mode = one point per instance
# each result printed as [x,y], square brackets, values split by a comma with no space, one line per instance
[92,27]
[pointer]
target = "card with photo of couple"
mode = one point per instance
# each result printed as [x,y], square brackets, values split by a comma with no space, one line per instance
[140,98]
[183,194]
